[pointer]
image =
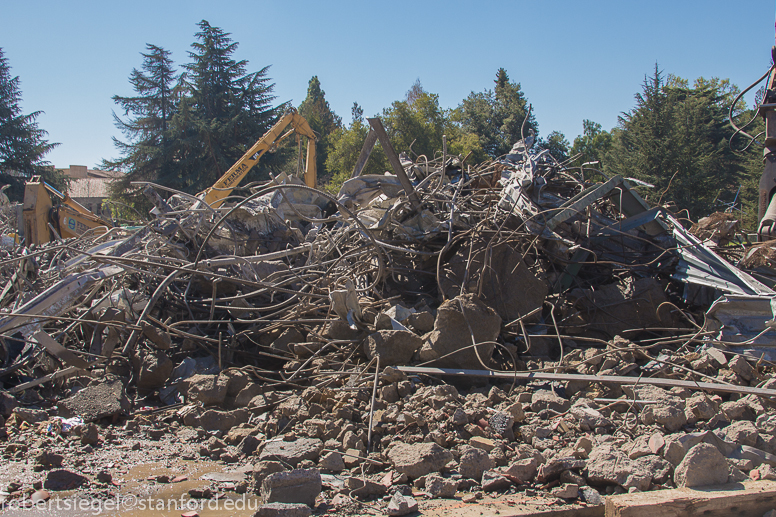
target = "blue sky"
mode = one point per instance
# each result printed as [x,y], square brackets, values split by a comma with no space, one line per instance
[575,60]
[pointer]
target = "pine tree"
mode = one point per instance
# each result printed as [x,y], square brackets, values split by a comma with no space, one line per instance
[357,112]
[496,116]
[151,151]
[316,110]
[22,142]
[676,139]
[227,111]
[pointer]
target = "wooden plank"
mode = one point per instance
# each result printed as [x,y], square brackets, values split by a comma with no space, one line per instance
[606,379]
[67,372]
[57,350]
[751,498]
[506,505]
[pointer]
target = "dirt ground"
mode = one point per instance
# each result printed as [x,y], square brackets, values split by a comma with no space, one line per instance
[155,476]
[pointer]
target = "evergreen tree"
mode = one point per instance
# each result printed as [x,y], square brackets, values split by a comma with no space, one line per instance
[227,109]
[496,116]
[151,150]
[642,145]
[316,110]
[751,154]
[676,139]
[22,142]
[357,112]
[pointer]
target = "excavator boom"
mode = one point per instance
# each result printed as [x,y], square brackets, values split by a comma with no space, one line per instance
[221,189]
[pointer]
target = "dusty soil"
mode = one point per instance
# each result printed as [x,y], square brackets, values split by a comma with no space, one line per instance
[155,476]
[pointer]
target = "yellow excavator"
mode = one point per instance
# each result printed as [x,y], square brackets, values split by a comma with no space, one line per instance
[221,189]
[43,216]
[66,217]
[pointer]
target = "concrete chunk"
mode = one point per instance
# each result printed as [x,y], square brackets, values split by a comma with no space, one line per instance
[96,401]
[295,486]
[283,510]
[702,465]
[418,459]
[292,453]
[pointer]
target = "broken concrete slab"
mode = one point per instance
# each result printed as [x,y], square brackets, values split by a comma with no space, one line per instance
[416,460]
[101,399]
[463,335]
[291,452]
[295,486]
[283,510]
[486,269]
[394,347]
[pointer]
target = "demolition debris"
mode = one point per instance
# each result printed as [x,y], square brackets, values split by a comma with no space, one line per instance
[516,328]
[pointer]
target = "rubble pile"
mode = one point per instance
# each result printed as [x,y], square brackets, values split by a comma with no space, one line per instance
[443,331]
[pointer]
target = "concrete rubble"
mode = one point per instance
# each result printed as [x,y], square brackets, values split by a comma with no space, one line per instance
[506,328]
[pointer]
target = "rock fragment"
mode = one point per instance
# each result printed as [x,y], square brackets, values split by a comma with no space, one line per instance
[418,460]
[394,347]
[208,390]
[401,505]
[63,480]
[364,488]
[545,399]
[522,471]
[152,368]
[438,487]
[493,481]
[702,465]
[295,486]
[668,409]
[474,462]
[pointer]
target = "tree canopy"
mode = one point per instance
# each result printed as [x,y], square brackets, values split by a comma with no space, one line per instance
[496,116]
[316,110]
[151,150]
[23,144]
[592,144]
[676,138]
[185,130]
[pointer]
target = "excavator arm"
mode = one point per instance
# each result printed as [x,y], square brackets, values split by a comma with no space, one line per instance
[221,189]
[68,217]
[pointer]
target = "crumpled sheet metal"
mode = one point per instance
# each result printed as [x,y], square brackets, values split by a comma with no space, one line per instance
[748,320]
[361,190]
[700,265]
